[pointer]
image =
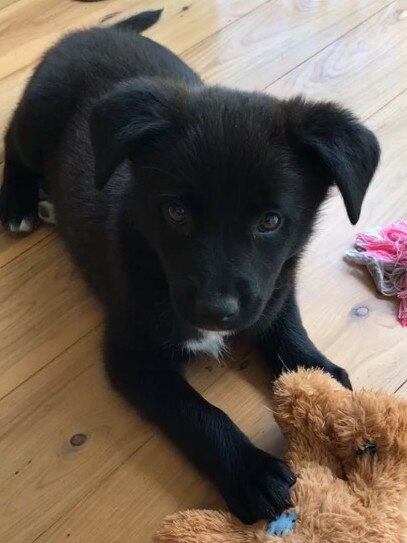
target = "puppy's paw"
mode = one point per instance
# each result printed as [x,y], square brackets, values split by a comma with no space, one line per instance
[46,212]
[340,375]
[18,214]
[21,226]
[261,488]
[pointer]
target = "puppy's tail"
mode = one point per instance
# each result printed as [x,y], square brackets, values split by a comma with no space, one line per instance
[141,21]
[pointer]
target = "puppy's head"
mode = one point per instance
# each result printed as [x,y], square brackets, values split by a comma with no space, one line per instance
[227,185]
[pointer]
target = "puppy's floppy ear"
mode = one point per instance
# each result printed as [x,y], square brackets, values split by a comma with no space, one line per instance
[337,146]
[123,121]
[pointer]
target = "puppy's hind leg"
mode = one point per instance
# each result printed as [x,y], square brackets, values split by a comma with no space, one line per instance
[46,209]
[18,195]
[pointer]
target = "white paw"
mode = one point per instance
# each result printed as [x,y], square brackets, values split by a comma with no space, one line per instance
[46,212]
[24,226]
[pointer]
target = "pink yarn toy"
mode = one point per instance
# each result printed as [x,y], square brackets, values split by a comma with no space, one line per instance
[384,252]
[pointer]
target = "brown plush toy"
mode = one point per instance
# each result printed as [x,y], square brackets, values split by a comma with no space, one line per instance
[350,453]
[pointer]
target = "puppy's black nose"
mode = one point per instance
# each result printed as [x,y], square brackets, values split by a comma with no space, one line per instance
[217,310]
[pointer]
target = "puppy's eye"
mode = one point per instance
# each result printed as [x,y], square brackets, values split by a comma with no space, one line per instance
[176,213]
[269,222]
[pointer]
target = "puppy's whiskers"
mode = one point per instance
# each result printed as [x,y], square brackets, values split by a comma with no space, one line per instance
[284,365]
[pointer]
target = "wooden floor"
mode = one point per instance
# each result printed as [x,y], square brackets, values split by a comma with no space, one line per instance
[75,463]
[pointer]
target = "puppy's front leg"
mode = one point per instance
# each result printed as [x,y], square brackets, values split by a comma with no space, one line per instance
[286,345]
[254,485]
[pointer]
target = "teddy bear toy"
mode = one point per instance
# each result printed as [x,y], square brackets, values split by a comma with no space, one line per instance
[349,451]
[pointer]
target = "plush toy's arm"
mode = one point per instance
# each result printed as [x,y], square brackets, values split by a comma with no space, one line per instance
[203,526]
[371,433]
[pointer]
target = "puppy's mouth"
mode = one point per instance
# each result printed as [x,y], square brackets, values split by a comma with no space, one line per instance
[222,329]
[216,331]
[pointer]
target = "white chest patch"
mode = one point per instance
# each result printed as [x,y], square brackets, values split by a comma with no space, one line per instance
[210,342]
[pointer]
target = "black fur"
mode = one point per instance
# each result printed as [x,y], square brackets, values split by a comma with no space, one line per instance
[112,108]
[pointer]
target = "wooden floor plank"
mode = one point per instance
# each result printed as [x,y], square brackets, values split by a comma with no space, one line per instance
[44,308]
[402,391]
[69,397]
[373,56]
[13,246]
[43,438]
[253,55]
[31,26]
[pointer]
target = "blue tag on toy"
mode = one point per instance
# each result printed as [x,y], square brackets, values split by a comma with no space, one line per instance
[283,525]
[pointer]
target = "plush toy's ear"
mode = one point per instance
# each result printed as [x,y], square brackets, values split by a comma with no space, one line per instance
[124,120]
[337,146]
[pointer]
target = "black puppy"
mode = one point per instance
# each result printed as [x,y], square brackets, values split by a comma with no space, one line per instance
[187,209]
